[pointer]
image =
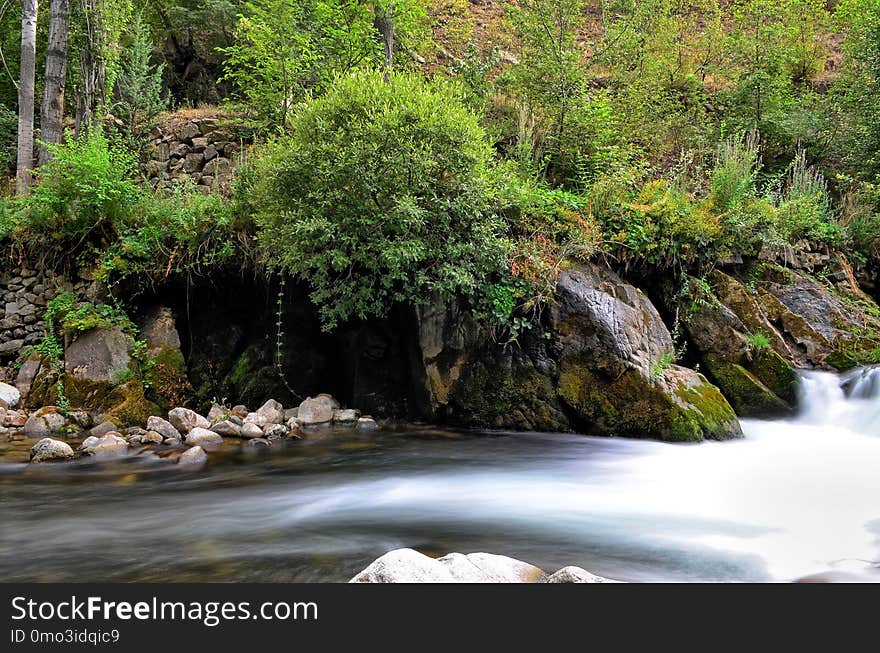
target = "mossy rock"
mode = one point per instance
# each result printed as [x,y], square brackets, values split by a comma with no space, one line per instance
[493,395]
[253,378]
[745,392]
[129,405]
[169,384]
[676,408]
[776,374]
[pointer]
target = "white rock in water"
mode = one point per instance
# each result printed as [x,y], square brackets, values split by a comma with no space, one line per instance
[103,429]
[162,427]
[346,415]
[193,457]
[44,422]
[409,566]
[107,446]
[10,395]
[256,418]
[367,423]
[275,431]
[47,450]
[577,575]
[272,411]
[316,411]
[185,420]
[200,435]
[251,431]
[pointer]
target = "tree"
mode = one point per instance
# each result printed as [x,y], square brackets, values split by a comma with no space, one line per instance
[52,109]
[382,193]
[27,72]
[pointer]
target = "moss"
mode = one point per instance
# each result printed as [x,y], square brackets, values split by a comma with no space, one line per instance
[745,391]
[492,395]
[776,374]
[130,407]
[167,379]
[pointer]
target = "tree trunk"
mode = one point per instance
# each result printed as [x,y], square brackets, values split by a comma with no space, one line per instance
[25,161]
[90,93]
[384,22]
[52,110]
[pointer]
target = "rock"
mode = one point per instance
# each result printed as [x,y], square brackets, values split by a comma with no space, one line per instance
[14,419]
[185,420]
[577,575]
[227,429]
[99,355]
[271,431]
[316,411]
[49,450]
[152,437]
[11,346]
[216,413]
[45,421]
[292,423]
[346,415]
[193,457]
[187,131]
[367,424]
[201,436]
[272,411]
[408,566]
[256,418]
[251,430]
[240,411]
[258,443]
[110,445]
[290,414]
[163,427]
[26,376]
[81,419]
[171,442]
[10,395]
[159,329]
[333,401]
[103,429]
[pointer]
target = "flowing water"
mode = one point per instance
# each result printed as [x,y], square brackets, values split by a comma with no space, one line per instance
[794,499]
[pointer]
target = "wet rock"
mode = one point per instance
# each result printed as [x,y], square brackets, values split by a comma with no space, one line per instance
[194,457]
[103,429]
[163,427]
[272,411]
[49,450]
[152,437]
[271,431]
[292,423]
[44,422]
[227,429]
[367,424]
[14,419]
[409,566]
[346,416]
[577,575]
[185,420]
[171,442]
[240,411]
[256,418]
[10,395]
[110,445]
[258,443]
[251,430]
[99,355]
[201,436]
[318,410]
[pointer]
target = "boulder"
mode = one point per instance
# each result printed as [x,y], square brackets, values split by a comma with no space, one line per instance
[201,436]
[194,457]
[227,429]
[99,355]
[256,418]
[49,450]
[185,420]
[159,329]
[318,410]
[44,422]
[409,566]
[103,428]
[27,374]
[216,413]
[163,427]
[577,575]
[346,416]
[272,411]
[10,395]
[152,437]
[110,445]
[251,430]
[240,411]
[291,413]
[14,419]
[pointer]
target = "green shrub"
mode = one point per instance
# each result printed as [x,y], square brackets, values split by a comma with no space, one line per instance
[732,181]
[381,193]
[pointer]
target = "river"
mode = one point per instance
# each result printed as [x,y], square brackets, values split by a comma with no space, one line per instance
[794,499]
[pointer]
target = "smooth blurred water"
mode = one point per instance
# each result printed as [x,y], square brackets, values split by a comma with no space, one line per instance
[793,499]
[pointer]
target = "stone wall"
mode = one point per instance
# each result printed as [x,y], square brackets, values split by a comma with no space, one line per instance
[205,150]
[24,293]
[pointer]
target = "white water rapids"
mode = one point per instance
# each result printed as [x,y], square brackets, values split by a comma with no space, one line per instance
[795,498]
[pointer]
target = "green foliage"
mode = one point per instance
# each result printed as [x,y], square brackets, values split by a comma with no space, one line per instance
[381,193]
[758,341]
[8,135]
[659,367]
[732,181]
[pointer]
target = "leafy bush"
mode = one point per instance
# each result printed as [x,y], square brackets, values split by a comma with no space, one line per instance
[381,193]
[732,181]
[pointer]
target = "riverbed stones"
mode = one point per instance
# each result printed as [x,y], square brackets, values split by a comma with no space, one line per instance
[202,436]
[227,429]
[46,421]
[251,430]
[103,428]
[49,450]
[272,411]
[110,445]
[10,395]
[163,427]
[367,424]
[256,418]
[271,431]
[152,437]
[241,411]
[317,410]
[346,416]
[573,574]
[409,566]
[14,419]
[194,458]
[216,413]
[185,420]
